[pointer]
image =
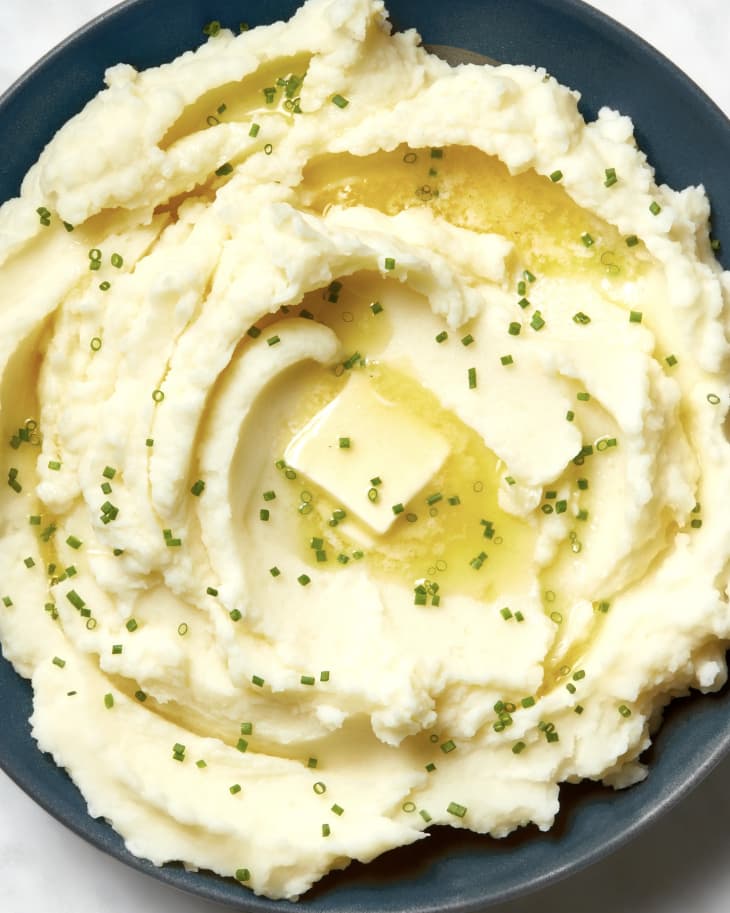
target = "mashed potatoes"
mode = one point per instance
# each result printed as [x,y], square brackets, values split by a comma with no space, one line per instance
[363,428]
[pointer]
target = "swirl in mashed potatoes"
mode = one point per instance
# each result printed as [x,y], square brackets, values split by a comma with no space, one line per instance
[363,428]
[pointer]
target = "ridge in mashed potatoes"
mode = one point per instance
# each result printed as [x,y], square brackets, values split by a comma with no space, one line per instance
[363,428]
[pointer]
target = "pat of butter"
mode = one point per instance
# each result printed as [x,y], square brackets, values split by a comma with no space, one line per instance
[385,441]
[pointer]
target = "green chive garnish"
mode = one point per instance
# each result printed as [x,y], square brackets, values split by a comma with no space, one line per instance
[455,809]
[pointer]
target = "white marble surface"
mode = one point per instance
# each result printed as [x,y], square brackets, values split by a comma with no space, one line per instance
[681,864]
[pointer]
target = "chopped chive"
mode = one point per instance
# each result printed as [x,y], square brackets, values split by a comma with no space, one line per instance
[455,809]
[655,208]
[537,322]
[225,169]
[624,710]
[303,580]
[182,629]
[274,571]
[587,239]
[398,508]
[131,625]
[442,336]
[95,343]
[141,696]
[29,562]
[257,680]
[671,360]
[340,101]
[246,728]
[518,747]
[117,261]
[569,415]
[635,317]
[242,875]
[472,378]
[389,263]
[448,746]
[514,328]
[326,831]
[505,613]
[117,649]
[344,443]
[319,788]
[76,601]
[507,360]
[235,615]
[254,332]
[55,465]
[57,661]
[632,241]
[109,701]
[337,809]
[254,130]
[324,675]
[467,340]
[311,762]
[264,514]
[376,307]
[273,340]
[307,679]
[528,702]
[198,488]
[242,745]
[235,789]
[201,764]
[158,396]
[578,709]
[581,318]
[74,542]
[611,178]
[583,396]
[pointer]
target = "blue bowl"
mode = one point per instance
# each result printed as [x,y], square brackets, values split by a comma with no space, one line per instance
[687,138]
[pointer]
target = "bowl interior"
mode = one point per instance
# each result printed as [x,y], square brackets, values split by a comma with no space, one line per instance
[453,871]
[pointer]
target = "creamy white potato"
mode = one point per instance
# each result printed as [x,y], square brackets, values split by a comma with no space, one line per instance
[364,433]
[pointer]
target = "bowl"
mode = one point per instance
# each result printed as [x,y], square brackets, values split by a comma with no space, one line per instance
[454,871]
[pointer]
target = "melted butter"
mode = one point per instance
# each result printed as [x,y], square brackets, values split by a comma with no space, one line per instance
[476,191]
[21,409]
[429,541]
[237,101]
